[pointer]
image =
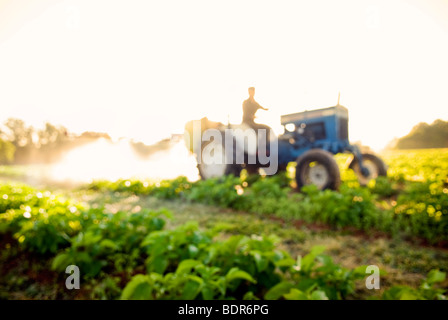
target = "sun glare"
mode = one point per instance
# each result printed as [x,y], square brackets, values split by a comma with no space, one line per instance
[144,70]
[104,159]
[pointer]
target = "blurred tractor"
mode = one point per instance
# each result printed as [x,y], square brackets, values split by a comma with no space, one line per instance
[311,138]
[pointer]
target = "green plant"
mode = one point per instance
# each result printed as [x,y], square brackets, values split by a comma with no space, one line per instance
[103,242]
[426,291]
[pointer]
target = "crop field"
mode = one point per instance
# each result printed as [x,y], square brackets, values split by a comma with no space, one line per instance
[247,237]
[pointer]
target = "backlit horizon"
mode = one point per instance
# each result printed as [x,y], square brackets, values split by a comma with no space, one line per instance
[142,69]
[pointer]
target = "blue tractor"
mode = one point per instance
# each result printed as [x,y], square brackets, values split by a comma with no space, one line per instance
[311,138]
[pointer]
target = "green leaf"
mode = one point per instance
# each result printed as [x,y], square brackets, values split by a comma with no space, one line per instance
[360,271]
[154,238]
[393,293]
[408,295]
[192,288]
[250,296]
[208,293]
[236,273]
[435,276]
[192,250]
[60,262]
[139,288]
[186,265]
[157,223]
[295,294]
[158,264]
[260,261]
[400,293]
[277,291]
[319,295]
[287,262]
[308,261]
[221,284]
[107,243]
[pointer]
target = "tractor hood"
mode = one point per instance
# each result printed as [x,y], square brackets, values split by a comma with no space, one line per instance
[338,110]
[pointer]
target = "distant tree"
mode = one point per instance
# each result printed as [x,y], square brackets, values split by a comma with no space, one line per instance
[46,145]
[52,135]
[18,133]
[7,150]
[425,135]
[94,135]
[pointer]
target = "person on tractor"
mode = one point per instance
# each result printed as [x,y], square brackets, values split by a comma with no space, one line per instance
[250,107]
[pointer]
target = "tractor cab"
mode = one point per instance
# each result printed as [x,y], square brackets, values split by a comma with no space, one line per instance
[322,128]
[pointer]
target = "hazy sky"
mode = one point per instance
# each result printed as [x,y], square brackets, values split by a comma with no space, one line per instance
[141,69]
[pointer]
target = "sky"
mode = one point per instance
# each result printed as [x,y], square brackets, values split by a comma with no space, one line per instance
[142,69]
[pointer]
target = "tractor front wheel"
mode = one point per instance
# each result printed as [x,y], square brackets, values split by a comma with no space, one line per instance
[375,165]
[317,167]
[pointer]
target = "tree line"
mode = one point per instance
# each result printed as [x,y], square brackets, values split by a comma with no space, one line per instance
[24,144]
[425,135]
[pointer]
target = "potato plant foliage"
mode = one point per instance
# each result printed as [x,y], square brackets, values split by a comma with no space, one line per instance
[136,255]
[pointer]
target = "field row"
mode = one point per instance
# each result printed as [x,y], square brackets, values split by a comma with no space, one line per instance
[132,256]
[413,209]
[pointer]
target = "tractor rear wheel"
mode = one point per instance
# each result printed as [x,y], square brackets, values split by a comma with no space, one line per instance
[317,167]
[375,165]
[213,162]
